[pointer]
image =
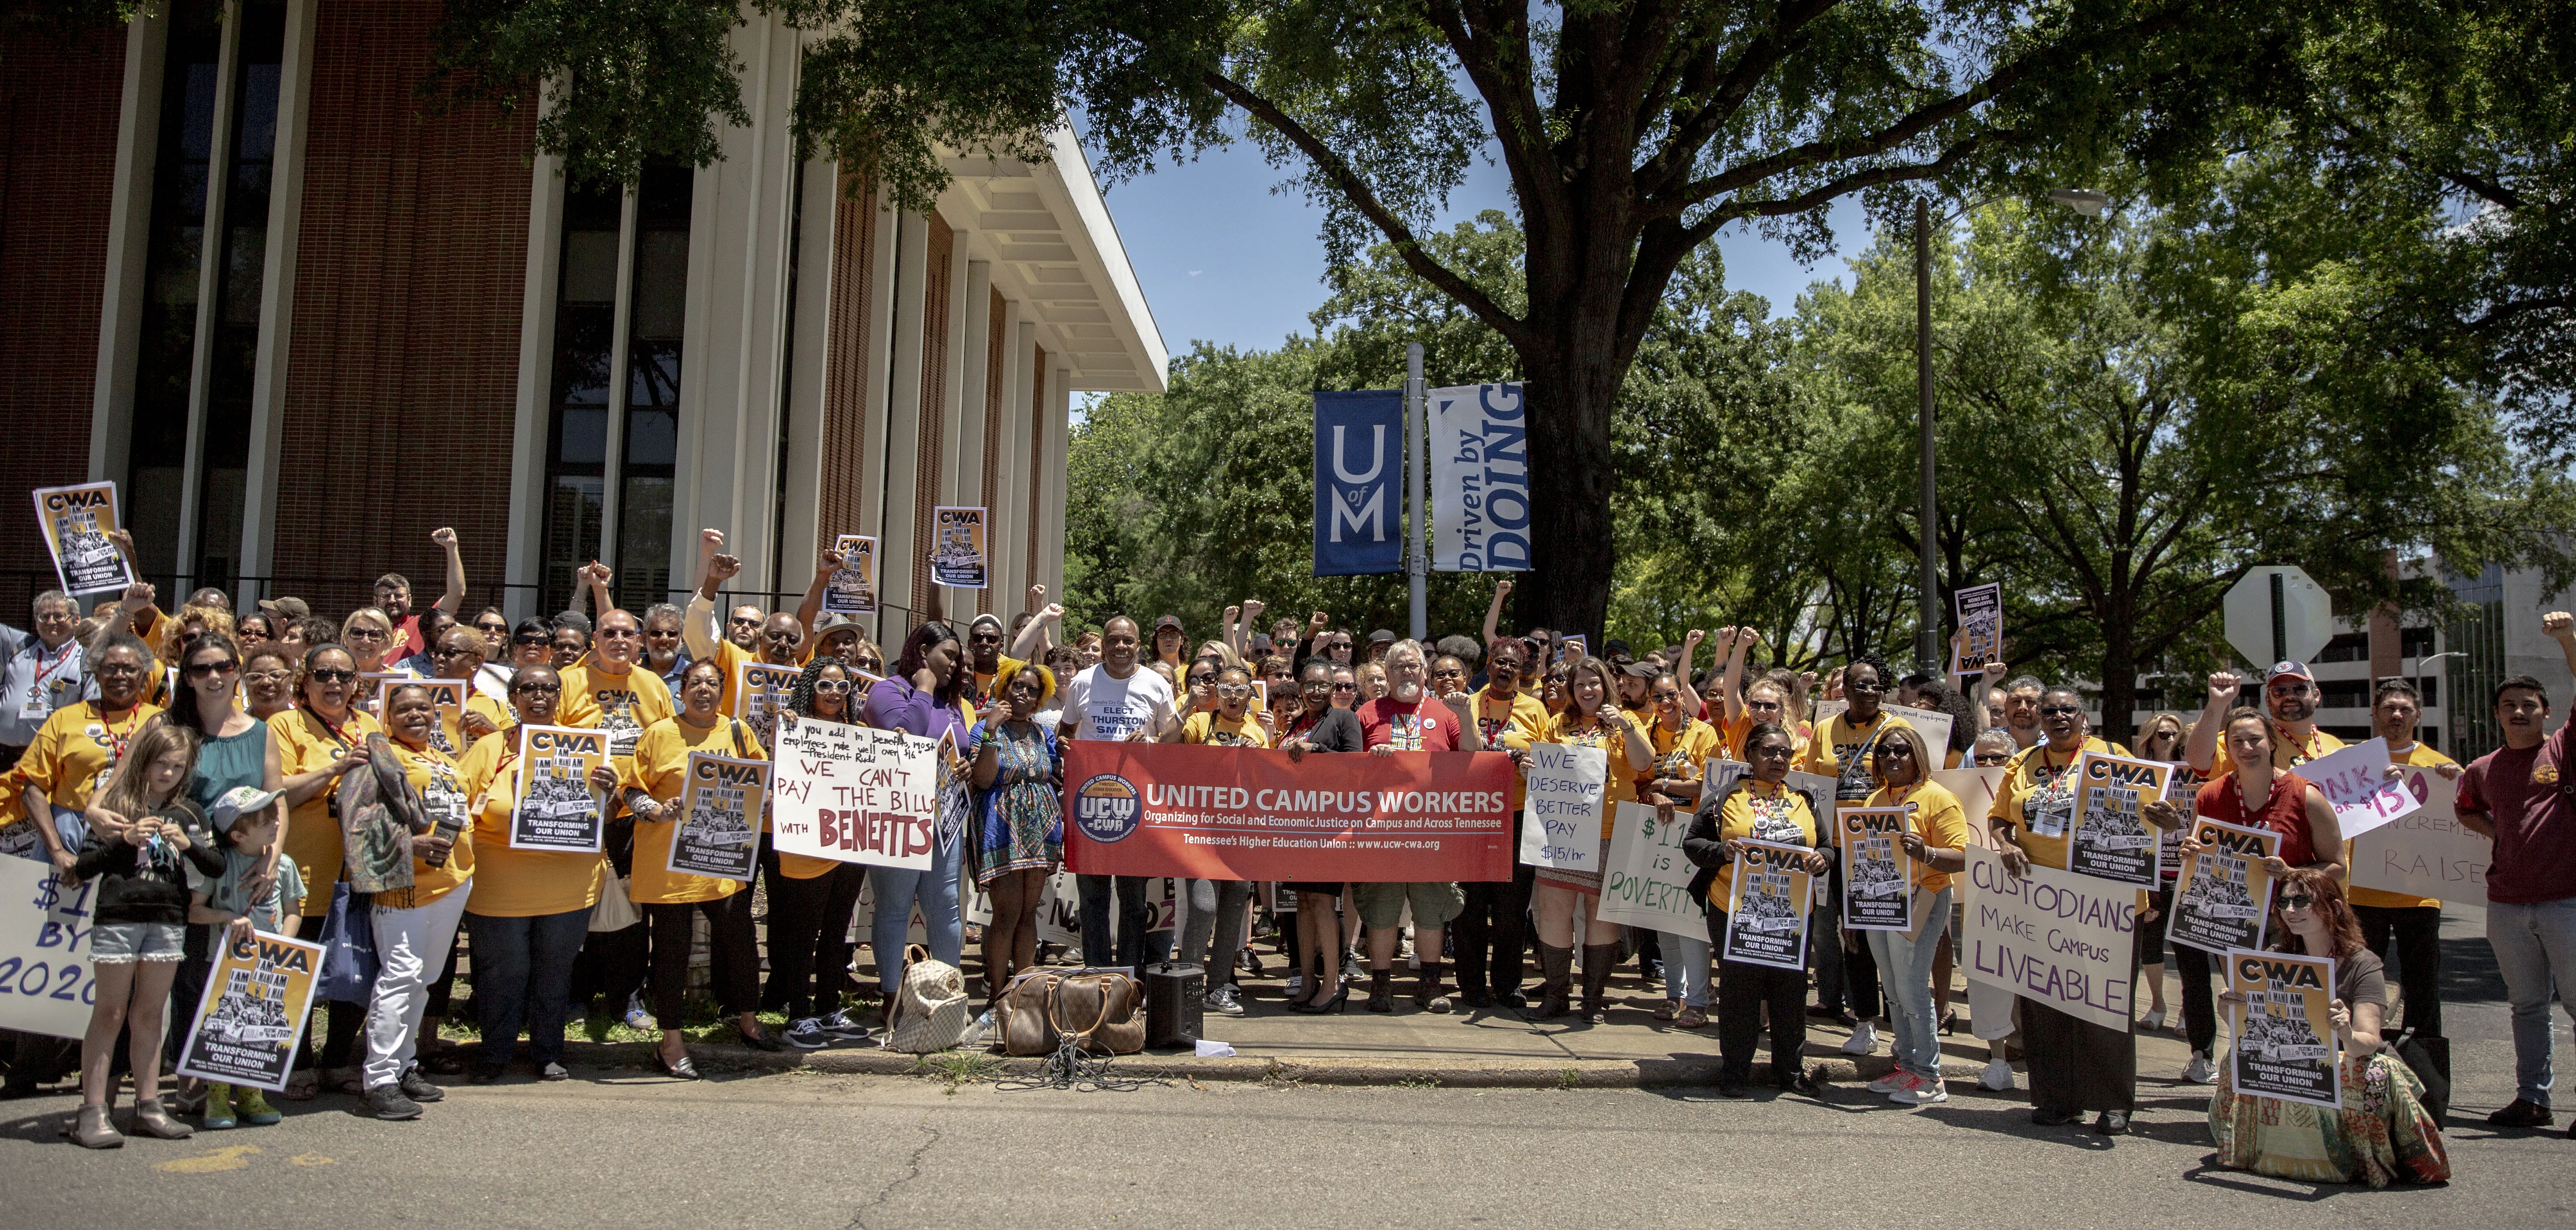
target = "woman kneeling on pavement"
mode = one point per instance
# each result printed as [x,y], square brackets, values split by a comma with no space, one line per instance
[2383,1131]
[1935,844]
[1759,807]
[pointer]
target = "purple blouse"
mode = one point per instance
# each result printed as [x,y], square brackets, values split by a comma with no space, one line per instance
[894,704]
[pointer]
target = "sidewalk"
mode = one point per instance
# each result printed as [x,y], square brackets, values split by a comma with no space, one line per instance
[1490,1048]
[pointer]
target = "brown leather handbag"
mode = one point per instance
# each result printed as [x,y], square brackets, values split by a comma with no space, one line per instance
[1099,1008]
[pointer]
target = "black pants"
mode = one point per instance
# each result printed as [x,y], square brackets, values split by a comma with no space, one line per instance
[1493,932]
[1743,991]
[732,960]
[1845,978]
[2076,1065]
[2412,934]
[808,923]
[2199,999]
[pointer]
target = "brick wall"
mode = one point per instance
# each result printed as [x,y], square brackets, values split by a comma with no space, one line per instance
[934,402]
[845,359]
[59,107]
[994,395]
[402,379]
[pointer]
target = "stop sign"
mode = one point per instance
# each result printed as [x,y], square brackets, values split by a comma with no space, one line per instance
[2304,620]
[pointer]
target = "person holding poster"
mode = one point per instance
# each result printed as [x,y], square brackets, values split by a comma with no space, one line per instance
[1935,843]
[1846,972]
[2405,925]
[1567,899]
[2380,1132]
[415,926]
[607,692]
[530,914]
[925,695]
[656,790]
[1490,935]
[2521,797]
[2161,741]
[1759,807]
[1683,745]
[139,924]
[2075,1065]
[248,899]
[811,899]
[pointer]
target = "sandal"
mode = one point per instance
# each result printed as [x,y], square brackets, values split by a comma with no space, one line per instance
[301,1086]
[680,1070]
[2153,1022]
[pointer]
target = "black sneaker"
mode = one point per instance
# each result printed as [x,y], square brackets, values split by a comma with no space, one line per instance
[1804,1082]
[2523,1113]
[485,1076]
[842,1027]
[807,1034]
[388,1102]
[417,1087]
[1511,999]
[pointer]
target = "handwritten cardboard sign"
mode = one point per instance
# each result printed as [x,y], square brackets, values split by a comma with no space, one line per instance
[1562,824]
[2054,937]
[856,794]
[2427,851]
[1647,883]
[2355,781]
[46,983]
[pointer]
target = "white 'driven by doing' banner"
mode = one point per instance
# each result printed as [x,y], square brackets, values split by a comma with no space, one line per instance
[1480,501]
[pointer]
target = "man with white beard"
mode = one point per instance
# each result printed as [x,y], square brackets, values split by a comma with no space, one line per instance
[1409,719]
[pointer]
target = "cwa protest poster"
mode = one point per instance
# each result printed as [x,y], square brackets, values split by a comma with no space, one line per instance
[251,1017]
[76,522]
[2427,851]
[1933,725]
[852,589]
[1875,892]
[46,983]
[1480,501]
[2286,1046]
[855,794]
[2051,936]
[2223,898]
[1241,813]
[1561,803]
[2355,782]
[759,692]
[957,552]
[1647,883]
[556,808]
[447,694]
[1981,629]
[1976,790]
[721,808]
[1766,905]
[2112,840]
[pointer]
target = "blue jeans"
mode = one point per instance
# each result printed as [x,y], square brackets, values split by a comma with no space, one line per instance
[523,973]
[1134,947]
[936,888]
[1905,978]
[1686,967]
[2535,947]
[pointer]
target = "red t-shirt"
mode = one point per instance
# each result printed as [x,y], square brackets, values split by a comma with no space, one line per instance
[2525,795]
[407,640]
[2285,812]
[1425,725]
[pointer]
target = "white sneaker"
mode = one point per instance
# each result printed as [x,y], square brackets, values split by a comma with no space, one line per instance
[1889,1083]
[1921,1093]
[2200,1071]
[1997,1076]
[1296,985]
[1864,1039]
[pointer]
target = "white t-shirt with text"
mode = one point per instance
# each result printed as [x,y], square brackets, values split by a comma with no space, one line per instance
[1102,707]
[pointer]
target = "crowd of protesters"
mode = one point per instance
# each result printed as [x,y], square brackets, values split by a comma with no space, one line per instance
[188,761]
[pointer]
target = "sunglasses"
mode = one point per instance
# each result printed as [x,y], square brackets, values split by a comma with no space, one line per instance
[740,622]
[2060,710]
[329,674]
[831,686]
[870,665]
[492,628]
[618,634]
[532,639]
[1234,689]
[2297,901]
[541,689]
[453,651]
[1346,687]
[200,670]
[365,634]
[1202,681]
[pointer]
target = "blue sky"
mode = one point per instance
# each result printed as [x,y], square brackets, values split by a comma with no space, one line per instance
[1222,257]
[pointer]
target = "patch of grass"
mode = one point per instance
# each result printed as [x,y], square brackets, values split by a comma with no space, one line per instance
[959,1067]
[1571,1078]
[1418,1082]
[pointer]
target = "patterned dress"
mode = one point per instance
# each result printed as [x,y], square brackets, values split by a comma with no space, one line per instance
[1021,818]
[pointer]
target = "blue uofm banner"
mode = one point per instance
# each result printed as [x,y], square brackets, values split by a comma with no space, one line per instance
[1359,475]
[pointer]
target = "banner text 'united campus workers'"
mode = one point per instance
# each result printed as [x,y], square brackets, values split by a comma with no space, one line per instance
[1231,813]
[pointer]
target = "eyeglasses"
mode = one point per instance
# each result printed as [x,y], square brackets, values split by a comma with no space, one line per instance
[1763,706]
[1202,681]
[2296,901]
[541,689]
[267,678]
[831,686]
[451,651]
[329,674]
[1234,689]
[1346,687]
[200,670]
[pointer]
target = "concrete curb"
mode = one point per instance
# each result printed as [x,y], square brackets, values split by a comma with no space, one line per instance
[862,1059]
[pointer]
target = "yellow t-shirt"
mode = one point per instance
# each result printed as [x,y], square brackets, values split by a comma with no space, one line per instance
[1621,786]
[1682,754]
[1510,727]
[2287,753]
[1933,812]
[1760,812]
[660,768]
[512,883]
[433,774]
[1213,727]
[620,706]
[2421,757]
[1840,739]
[493,711]
[305,743]
[75,750]
[2038,793]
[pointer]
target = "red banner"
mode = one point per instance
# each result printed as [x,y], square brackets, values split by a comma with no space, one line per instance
[1232,813]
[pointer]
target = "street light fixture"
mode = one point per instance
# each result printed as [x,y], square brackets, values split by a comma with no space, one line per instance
[1927,634]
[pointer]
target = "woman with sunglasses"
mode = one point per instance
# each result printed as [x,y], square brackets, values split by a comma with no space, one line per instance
[256,631]
[323,737]
[531,644]
[1326,724]
[925,695]
[368,633]
[2254,792]
[530,914]
[494,627]
[1682,745]
[1213,911]
[1019,777]
[1759,807]
[2161,739]
[811,899]
[1567,899]
[2383,1133]
[2075,1065]
[1935,844]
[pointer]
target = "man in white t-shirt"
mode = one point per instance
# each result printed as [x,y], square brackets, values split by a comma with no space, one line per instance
[1117,699]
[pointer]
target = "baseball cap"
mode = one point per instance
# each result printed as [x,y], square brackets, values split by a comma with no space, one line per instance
[292,608]
[1381,636]
[1642,670]
[2296,670]
[238,802]
[1169,621]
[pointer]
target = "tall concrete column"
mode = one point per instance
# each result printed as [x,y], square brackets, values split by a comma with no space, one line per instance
[902,476]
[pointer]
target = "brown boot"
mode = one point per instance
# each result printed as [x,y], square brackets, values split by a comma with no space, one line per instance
[1427,996]
[151,1120]
[1597,960]
[1557,966]
[94,1130]
[1381,996]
